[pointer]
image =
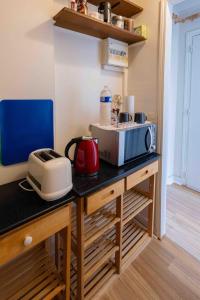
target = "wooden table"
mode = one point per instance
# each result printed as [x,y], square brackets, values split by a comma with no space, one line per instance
[27,268]
[108,230]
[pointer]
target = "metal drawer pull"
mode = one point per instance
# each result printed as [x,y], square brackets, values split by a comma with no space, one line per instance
[28,240]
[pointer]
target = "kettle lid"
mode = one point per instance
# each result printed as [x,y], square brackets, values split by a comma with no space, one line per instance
[87,138]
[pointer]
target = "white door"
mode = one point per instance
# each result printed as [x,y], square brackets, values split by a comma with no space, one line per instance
[193,145]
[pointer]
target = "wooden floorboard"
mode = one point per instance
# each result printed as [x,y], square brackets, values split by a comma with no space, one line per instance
[165,270]
[183,218]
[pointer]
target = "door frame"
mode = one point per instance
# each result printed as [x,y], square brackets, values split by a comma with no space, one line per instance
[187,100]
[162,145]
[165,25]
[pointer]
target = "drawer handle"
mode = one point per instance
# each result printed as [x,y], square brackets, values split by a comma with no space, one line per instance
[108,194]
[28,240]
[145,173]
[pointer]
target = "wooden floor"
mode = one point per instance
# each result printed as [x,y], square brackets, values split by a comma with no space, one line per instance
[165,270]
[183,218]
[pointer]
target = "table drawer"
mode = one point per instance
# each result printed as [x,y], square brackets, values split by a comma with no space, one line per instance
[101,198]
[141,175]
[26,237]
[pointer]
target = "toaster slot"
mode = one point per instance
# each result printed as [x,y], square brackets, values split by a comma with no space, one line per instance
[54,154]
[43,156]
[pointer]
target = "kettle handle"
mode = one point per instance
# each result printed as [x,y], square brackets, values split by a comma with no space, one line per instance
[72,142]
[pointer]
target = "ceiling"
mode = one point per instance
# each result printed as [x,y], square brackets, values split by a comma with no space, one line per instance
[186,7]
[175,1]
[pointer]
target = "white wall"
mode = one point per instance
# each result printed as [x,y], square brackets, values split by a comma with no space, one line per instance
[27,57]
[143,59]
[79,80]
[39,60]
[143,78]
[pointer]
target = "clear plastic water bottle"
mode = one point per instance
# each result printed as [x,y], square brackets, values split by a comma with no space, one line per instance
[105,106]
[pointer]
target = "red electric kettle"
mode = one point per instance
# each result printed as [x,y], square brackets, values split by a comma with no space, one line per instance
[86,155]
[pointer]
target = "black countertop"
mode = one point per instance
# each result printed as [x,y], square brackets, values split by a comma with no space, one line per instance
[18,206]
[109,174]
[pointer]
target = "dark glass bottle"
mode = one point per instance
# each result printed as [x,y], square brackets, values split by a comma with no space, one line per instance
[105,9]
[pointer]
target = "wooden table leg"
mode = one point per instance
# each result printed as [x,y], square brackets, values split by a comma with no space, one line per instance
[151,206]
[67,258]
[57,251]
[80,248]
[118,226]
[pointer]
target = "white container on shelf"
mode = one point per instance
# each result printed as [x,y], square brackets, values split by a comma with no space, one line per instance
[130,104]
[105,106]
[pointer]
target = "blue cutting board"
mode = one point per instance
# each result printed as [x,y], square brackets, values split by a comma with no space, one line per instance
[26,125]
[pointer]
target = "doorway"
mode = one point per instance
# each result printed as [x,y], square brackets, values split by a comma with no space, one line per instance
[191,142]
[182,101]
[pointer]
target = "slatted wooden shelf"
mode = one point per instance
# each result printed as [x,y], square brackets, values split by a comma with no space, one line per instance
[31,276]
[97,260]
[124,8]
[99,279]
[132,238]
[134,203]
[94,284]
[98,255]
[78,22]
[96,224]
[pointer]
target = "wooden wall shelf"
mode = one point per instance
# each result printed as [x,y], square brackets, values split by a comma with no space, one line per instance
[124,8]
[78,22]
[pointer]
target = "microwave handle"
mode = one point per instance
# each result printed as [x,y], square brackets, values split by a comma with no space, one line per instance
[151,139]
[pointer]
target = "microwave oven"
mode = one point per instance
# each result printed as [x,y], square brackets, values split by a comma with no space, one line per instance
[126,142]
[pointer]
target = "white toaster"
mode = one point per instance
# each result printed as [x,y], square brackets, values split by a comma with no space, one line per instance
[49,174]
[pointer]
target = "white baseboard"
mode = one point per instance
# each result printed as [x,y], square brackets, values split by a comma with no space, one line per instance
[170,180]
[178,180]
[175,179]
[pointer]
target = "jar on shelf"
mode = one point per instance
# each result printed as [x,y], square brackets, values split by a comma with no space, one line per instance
[82,7]
[73,5]
[105,10]
[128,24]
[118,21]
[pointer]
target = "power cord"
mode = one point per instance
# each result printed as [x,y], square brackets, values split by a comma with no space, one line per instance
[23,187]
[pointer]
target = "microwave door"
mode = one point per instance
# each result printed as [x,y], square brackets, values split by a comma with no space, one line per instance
[137,142]
[148,139]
